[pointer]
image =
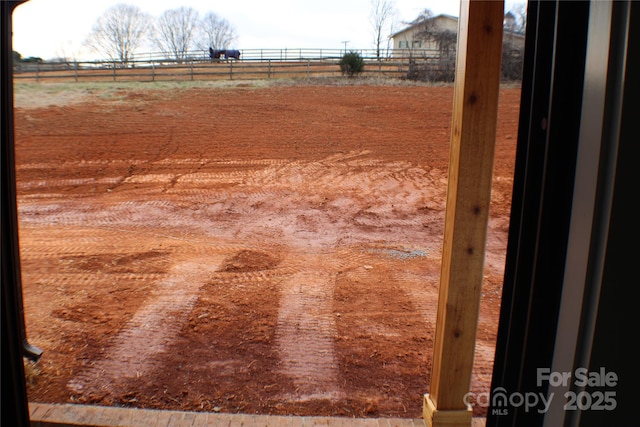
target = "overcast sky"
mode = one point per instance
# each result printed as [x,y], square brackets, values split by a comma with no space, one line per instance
[58,28]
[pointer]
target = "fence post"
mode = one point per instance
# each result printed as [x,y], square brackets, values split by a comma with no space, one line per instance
[75,69]
[191,70]
[114,71]
[269,70]
[472,148]
[230,70]
[153,71]
[308,66]
[37,72]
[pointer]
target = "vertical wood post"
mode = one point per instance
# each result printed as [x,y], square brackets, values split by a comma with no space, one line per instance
[473,130]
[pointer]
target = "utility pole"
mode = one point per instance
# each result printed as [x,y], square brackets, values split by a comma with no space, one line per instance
[345,46]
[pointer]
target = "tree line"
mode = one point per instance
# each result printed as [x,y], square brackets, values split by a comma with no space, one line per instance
[123,28]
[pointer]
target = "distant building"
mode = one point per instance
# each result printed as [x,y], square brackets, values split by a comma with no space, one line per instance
[414,39]
[436,36]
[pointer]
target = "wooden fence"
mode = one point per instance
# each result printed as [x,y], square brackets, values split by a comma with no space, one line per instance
[290,54]
[204,69]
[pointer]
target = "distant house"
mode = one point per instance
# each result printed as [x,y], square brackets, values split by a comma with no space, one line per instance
[436,36]
[413,38]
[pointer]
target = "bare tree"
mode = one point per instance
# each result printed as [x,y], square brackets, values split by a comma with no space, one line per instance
[515,22]
[119,31]
[519,13]
[383,12]
[392,30]
[442,66]
[175,31]
[427,28]
[216,32]
[445,40]
[65,52]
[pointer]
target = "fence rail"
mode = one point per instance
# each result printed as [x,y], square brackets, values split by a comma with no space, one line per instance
[162,69]
[285,54]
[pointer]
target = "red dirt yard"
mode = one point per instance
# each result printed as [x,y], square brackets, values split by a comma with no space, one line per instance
[251,248]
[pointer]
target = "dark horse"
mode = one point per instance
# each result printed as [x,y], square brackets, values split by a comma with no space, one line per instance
[232,53]
[216,54]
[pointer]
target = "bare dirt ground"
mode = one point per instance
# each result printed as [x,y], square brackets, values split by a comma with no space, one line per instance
[252,249]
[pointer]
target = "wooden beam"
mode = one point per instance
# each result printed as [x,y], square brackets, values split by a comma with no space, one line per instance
[473,130]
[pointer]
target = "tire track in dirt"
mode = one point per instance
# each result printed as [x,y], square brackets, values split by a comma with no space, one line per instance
[425,294]
[306,328]
[308,226]
[482,373]
[146,336]
[306,332]
[56,183]
[424,297]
